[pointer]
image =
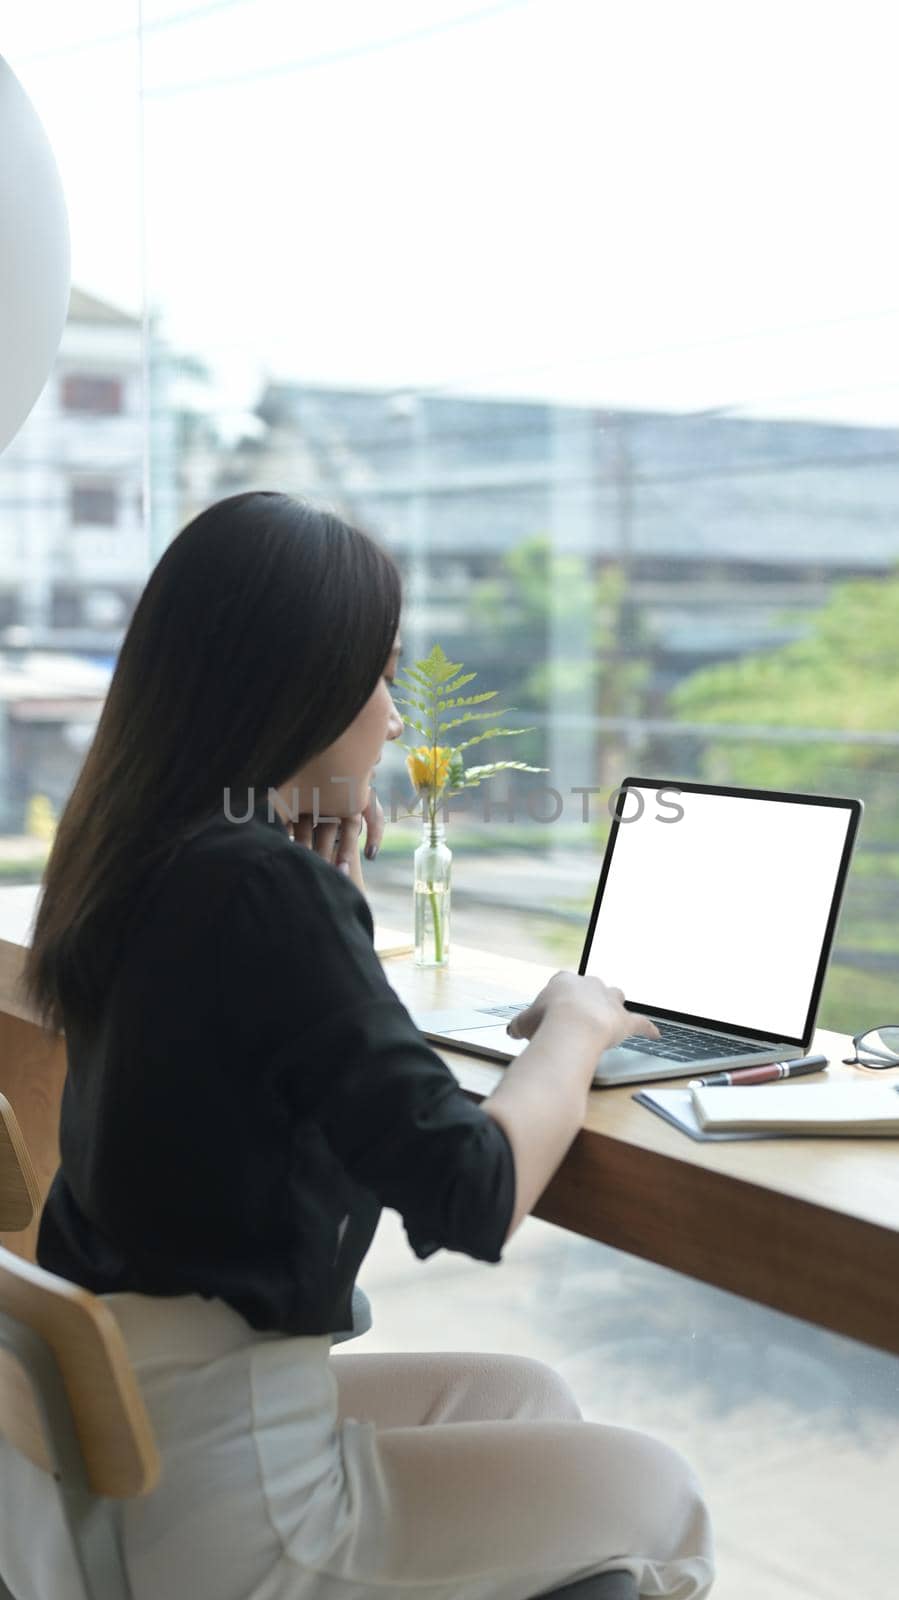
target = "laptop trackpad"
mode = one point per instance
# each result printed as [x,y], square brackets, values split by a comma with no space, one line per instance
[493,1038]
[470,1028]
[450,1021]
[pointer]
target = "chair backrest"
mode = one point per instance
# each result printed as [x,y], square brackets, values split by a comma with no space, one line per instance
[70,1402]
[20,1195]
[114,1433]
[84,1342]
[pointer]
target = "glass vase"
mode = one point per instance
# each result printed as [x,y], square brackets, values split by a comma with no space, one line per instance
[431,896]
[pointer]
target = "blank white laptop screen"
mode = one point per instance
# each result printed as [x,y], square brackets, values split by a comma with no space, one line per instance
[722,912]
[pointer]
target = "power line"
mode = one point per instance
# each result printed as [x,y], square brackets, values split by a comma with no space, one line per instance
[376,443]
[591,422]
[558,483]
[591,425]
[549,480]
[546,427]
[595,423]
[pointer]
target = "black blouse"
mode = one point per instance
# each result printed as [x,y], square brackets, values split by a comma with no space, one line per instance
[254,1095]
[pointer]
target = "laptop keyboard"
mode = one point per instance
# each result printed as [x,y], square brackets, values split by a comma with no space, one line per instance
[678,1043]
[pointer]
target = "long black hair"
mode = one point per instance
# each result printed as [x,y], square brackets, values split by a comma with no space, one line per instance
[261,633]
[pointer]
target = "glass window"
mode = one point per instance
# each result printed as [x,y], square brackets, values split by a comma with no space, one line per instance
[590,313]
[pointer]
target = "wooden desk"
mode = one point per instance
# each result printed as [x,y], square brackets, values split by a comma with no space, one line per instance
[807,1226]
[810,1226]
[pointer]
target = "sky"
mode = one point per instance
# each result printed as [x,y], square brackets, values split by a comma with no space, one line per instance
[672,204]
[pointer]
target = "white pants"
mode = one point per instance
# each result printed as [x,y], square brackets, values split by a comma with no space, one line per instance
[291,1472]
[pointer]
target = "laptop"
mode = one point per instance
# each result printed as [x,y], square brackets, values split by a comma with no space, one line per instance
[715,913]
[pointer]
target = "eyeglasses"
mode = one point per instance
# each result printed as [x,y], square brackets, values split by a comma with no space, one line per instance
[881,1044]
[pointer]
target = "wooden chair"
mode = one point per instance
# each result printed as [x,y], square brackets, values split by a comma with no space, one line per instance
[20,1195]
[70,1400]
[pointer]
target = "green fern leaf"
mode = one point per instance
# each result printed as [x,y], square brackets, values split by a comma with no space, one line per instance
[492,733]
[476,775]
[451,685]
[470,716]
[467,700]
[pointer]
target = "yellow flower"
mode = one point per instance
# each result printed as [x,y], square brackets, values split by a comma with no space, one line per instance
[40,818]
[422,766]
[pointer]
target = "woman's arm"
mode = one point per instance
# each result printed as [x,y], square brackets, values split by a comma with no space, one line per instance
[541,1100]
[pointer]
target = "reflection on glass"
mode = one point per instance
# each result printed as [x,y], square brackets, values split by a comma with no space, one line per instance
[664,522]
[622,400]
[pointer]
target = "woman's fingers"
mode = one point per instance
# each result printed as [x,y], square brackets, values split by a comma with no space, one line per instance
[325,840]
[303,830]
[336,842]
[347,843]
[373,817]
[321,838]
[644,1025]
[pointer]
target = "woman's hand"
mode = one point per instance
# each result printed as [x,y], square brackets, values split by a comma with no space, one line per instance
[338,842]
[373,817]
[592,1001]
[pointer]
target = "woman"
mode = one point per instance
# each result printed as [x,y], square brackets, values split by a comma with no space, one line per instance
[245,1092]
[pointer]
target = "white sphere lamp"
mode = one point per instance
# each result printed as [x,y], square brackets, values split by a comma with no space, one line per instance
[34,256]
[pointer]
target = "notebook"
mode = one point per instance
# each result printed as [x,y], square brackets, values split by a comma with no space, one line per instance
[676,1106]
[390,942]
[820,1108]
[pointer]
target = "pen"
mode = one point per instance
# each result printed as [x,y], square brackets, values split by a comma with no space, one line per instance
[766,1074]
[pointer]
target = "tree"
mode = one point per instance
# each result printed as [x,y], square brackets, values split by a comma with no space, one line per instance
[603,666]
[844,674]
